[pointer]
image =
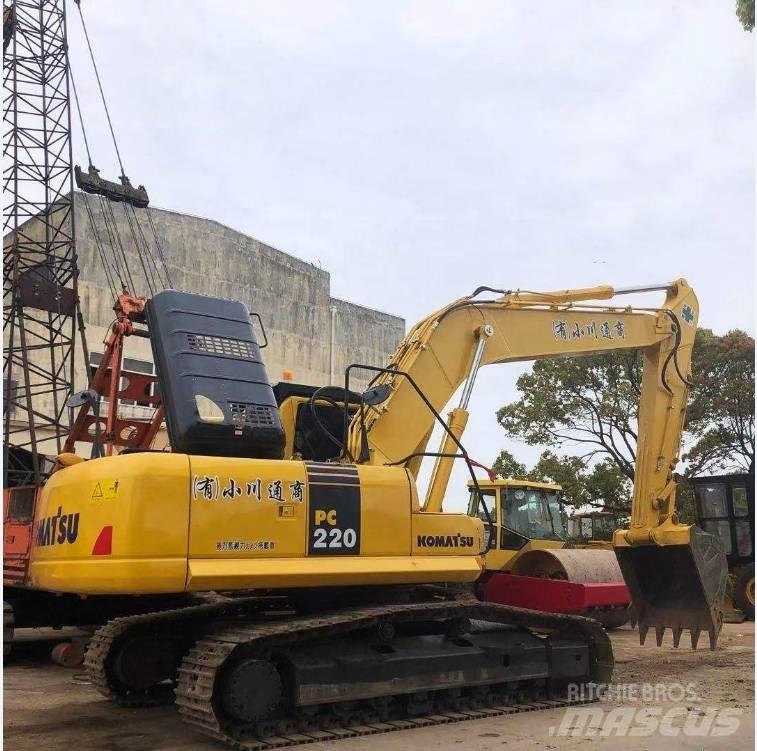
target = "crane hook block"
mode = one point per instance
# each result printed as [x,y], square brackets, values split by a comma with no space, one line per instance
[121,192]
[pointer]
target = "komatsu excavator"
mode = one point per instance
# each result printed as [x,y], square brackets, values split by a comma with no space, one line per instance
[345,595]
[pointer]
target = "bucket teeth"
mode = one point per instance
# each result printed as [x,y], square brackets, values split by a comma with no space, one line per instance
[659,634]
[643,633]
[677,631]
[713,638]
[688,596]
[695,637]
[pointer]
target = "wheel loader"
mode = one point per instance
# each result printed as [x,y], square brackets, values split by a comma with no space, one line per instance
[724,506]
[345,602]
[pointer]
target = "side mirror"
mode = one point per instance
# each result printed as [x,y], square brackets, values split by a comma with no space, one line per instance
[377,395]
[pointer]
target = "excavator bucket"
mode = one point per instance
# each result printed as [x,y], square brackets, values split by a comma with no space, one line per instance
[680,587]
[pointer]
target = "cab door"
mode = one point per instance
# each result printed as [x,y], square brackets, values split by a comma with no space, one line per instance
[506,545]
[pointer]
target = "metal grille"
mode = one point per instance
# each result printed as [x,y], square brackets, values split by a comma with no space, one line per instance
[252,415]
[39,284]
[219,345]
[21,505]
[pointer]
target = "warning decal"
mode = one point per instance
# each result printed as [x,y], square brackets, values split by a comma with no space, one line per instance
[105,489]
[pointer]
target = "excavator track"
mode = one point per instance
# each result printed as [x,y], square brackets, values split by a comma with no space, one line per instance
[202,672]
[185,622]
[306,732]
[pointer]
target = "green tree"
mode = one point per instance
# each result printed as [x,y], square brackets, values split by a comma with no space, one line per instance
[720,417]
[587,404]
[506,465]
[566,471]
[745,13]
[608,488]
[587,407]
[600,485]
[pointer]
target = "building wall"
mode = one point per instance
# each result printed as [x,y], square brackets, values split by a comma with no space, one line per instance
[203,256]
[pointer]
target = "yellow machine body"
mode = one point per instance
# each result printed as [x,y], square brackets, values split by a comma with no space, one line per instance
[174,523]
[150,523]
[504,559]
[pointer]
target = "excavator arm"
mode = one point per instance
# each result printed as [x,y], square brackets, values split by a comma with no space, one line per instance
[676,572]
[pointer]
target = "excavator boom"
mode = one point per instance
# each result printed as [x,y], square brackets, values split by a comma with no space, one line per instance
[676,572]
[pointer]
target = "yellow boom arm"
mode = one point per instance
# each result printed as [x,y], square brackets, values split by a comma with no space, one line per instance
[446,349]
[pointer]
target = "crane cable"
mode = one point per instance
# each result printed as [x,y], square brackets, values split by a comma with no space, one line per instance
[116,243]
[78,109]
[100,86]
[111,269]
[159,246]
[115,145]
[119,270]
[132,221]
[151,256]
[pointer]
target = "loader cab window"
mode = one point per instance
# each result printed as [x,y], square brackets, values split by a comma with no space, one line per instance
[574,527]
[713,512]
[712,501]
[587,531]
[605,526]
[740,500]
[742,525]
[533,513]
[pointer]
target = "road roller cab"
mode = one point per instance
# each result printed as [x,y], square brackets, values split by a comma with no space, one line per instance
[524,516]
[528,563]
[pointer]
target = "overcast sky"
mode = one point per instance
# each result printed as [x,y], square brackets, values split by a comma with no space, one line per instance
[416,150]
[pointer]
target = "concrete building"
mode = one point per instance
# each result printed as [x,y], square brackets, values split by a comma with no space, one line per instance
[312,336]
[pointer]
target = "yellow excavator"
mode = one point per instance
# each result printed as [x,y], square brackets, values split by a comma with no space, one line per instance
[344,597]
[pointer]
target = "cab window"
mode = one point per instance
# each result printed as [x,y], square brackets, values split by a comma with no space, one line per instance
[587,531]
[488,498]
[743,538]
[712,501]
[534,513]
[740,502]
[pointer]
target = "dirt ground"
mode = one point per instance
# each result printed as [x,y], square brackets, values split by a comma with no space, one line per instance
[53,708]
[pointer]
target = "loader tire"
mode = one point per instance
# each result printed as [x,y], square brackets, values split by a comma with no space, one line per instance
[743,589]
